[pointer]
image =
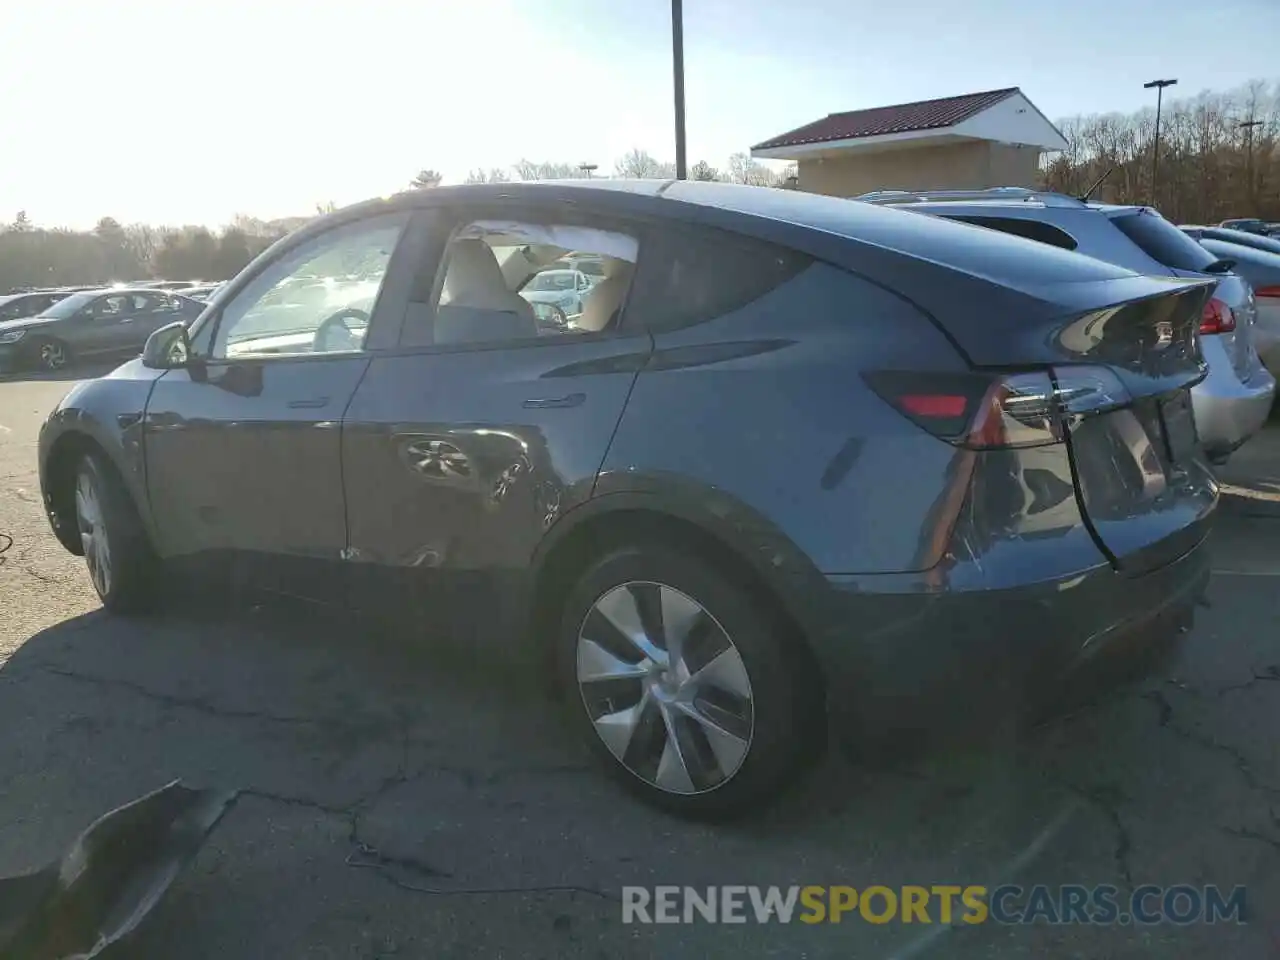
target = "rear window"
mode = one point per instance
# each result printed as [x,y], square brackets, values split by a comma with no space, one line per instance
[1163,242]
[1031,229]
[690,275]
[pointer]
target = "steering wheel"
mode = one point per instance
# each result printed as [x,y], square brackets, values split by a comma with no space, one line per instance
[341,331]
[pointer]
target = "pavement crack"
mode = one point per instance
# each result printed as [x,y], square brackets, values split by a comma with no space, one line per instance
[1268,674]
[1238,759]
[43,577]
[1107,801]
[293,801]
[197,704]
[1248,833]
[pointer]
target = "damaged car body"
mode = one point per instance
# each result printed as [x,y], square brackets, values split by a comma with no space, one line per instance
[797,458]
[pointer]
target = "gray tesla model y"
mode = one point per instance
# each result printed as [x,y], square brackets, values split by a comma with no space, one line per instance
[797,459]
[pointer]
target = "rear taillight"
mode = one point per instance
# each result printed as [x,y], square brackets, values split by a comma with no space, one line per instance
[985,412]
[1217,318]
[1268,292]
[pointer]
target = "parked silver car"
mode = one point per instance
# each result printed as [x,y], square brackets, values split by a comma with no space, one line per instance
[1233,401]
[562,290]
[1257,259]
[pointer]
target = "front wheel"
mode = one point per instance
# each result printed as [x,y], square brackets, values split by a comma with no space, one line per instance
[682,683]
[49,354]
[122,565]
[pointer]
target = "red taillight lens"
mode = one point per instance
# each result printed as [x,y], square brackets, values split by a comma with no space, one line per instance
[1217,318]
[934,406]
[991,411]
[1268,292]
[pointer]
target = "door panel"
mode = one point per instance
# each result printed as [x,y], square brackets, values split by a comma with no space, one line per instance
[129,330]
[457,463]
[245,457]
[243,450]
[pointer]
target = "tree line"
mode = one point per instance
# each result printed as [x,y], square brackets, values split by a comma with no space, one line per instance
[1218,156]
[636,164]
[32,256]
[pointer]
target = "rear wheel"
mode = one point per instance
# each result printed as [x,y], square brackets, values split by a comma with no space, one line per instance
[681,683]
[122,565]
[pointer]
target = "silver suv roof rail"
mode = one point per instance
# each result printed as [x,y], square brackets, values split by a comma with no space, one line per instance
[1046,197]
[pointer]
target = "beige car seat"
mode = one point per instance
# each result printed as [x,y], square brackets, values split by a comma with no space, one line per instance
[476,303]
[604,300]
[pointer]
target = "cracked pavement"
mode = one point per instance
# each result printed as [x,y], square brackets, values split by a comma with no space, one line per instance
[400,802]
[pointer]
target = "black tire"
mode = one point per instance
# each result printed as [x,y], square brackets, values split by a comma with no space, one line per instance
[132,584]
[49,354]
[782,701]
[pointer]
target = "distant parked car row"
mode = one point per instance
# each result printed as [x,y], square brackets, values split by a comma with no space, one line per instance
[48,329]
[1257,259]
[1252,225]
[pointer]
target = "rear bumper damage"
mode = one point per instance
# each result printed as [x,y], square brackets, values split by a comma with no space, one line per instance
[907,667]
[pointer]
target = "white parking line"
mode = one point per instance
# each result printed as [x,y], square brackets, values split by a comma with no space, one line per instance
[4,429]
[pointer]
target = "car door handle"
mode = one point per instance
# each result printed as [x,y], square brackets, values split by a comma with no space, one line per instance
[548,403]
[315,403]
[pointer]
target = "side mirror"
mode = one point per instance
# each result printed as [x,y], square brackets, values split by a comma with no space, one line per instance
[169,348]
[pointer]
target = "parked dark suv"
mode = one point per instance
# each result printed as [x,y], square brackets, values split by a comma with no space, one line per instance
[797,455]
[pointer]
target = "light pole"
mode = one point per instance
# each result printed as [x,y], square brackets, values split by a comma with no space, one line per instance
[677,63]
[1248,164]
[1155,153]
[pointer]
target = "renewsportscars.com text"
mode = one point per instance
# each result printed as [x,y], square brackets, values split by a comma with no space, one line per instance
[1146,904]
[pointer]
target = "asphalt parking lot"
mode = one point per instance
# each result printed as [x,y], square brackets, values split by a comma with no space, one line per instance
[398,803]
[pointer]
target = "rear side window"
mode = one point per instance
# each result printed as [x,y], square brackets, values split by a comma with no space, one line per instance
[1163,242]
[688,276]
[1031,229]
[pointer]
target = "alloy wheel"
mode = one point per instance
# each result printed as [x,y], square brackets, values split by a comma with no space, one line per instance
[53,356]
[93,532]
[665,688]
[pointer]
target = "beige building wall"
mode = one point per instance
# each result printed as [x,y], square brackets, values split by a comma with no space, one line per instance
[975,164]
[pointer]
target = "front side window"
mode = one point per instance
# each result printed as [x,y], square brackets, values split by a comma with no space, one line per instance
[318,298]
[116,305]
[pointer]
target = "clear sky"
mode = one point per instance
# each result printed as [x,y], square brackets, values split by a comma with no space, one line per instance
[189,111]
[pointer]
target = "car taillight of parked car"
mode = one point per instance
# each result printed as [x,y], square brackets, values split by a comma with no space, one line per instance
[986,412]
[1268,293]
[1217,318]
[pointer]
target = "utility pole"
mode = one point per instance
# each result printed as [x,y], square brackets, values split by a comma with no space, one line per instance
[1248,166]
[1155,153]
[588,168]
[677,62]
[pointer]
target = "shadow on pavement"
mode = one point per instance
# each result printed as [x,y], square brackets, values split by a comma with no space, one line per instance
[434,804]
[75,371]
[1251,478]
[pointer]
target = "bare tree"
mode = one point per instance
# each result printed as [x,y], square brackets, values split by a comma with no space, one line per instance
[704,171]
[744,169]
[1206,170]
[639,164]
[546,170]
[492,175]
[426,179]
